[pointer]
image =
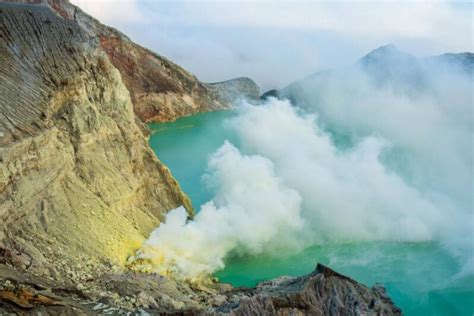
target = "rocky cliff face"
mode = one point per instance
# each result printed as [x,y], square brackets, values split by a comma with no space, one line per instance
[233,89]
[160,90]
[80,188]
[77,176]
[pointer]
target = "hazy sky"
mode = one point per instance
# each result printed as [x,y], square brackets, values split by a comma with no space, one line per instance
[276,42]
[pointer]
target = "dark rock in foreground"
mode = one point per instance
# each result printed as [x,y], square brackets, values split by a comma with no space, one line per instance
[322,292]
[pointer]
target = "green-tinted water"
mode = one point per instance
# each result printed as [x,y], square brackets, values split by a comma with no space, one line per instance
[185,145]
[420,277]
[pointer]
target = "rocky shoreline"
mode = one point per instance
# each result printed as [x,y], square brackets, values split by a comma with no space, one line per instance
[322,292]
[80,189]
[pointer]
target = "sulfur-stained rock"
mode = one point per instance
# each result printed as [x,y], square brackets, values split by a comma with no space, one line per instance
[76,173]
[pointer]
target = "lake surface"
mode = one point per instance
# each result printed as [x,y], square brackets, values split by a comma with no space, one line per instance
[422,278]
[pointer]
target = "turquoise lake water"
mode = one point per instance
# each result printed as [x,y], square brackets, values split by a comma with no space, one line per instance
[422,278]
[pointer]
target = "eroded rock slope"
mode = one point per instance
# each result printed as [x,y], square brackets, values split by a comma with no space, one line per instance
[76,173]
[160,89]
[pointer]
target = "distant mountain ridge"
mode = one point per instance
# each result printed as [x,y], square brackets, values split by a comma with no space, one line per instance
[387,64]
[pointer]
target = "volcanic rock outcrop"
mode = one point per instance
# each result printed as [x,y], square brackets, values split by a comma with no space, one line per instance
[76,173]
[322,292]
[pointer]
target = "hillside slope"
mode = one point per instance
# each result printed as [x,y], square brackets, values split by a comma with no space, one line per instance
[160,90]
[385,66]
[76,172]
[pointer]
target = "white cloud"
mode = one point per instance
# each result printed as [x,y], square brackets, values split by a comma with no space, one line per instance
[112,12]
[276,42]
[435,19]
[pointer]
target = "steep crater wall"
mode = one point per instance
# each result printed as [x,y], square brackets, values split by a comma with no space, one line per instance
[77,177]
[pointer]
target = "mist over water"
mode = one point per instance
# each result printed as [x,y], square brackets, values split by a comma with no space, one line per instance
[423,111]
[251,210]
[347,194]
[351,165]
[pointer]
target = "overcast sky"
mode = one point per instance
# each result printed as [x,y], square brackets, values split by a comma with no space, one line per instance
[276,42]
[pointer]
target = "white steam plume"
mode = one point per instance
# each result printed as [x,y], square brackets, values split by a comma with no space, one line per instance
[252,209]
[406,175]
[428,120]
[347,195]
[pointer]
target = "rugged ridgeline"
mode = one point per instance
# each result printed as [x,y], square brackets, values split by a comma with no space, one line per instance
[385,65]
[160,90]
[80,188]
